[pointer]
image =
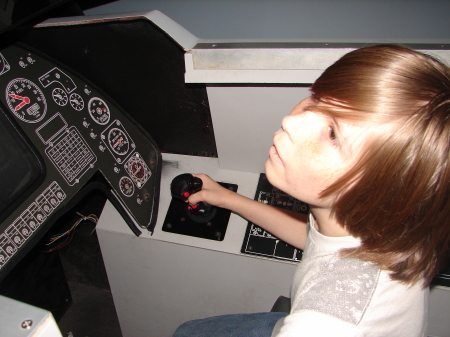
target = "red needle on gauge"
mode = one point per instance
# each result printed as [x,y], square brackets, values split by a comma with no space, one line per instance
[118,142]
[25,100]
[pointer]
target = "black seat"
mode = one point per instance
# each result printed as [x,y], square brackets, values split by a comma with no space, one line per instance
[282,304]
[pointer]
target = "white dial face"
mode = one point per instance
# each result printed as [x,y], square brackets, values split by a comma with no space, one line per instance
[76,101]
[26,100]
[99,110]
[59,96]
[118,141]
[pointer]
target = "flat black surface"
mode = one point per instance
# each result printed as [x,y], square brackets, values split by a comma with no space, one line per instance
[39,280]
[92,313]
[82,259]
[142,69]
[22,166]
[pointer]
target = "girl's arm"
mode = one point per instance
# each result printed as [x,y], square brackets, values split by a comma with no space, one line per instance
[286,225]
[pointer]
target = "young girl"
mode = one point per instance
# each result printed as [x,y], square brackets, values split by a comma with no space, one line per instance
[369,152]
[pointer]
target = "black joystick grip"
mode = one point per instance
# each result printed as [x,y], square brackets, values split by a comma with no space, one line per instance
[182,187]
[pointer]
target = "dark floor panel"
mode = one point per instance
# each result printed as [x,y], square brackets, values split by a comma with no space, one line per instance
[68,278]
[92,313]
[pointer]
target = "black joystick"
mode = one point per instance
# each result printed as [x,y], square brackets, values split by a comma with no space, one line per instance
[182,187]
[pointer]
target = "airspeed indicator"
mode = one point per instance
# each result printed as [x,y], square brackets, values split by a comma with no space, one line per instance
[26,100]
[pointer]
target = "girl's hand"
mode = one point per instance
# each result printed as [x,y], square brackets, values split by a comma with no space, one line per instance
[286,225]
[211,193]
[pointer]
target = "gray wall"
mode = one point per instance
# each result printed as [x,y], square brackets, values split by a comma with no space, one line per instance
[406,20]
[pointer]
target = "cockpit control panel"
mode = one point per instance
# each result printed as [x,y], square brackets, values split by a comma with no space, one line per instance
[76,131]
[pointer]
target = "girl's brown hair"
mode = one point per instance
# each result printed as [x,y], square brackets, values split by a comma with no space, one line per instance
[396,197]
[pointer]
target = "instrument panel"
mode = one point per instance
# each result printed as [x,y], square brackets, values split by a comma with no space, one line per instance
[78,131]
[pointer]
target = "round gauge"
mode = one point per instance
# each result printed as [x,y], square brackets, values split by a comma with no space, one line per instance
[26,100]
[118,141]
[76,101]
[98,110]
[126,186]
[60,96]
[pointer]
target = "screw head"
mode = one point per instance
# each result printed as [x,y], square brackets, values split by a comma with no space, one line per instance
[27,324]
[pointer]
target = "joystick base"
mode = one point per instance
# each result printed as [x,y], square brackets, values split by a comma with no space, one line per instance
[181,221]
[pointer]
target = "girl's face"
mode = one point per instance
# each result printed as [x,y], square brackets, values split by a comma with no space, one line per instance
[310,151]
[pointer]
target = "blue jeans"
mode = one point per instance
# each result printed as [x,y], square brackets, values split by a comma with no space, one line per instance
[239,325]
